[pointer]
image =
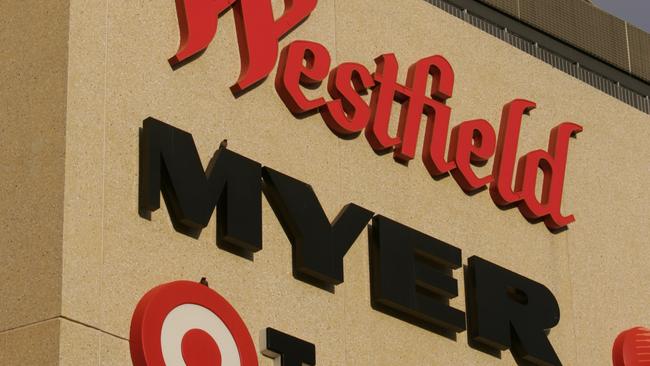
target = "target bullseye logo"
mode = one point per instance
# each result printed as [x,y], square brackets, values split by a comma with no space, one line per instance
[185,323]
[632,348]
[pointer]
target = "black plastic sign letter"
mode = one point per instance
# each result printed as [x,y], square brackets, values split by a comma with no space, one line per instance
[506,310]
[411,274]
[232,183]
[318,246]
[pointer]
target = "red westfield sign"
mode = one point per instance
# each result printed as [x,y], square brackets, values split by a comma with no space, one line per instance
[305,63]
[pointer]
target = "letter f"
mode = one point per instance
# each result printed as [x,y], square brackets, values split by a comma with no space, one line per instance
[258,32]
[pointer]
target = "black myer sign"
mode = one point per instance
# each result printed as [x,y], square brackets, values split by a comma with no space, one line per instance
[411,272]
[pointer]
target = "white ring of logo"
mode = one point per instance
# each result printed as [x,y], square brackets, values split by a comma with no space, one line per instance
[190,316]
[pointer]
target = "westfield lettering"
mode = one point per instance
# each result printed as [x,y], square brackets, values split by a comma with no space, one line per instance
[307,64]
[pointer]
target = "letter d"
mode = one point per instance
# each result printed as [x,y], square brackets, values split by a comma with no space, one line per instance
[553,165]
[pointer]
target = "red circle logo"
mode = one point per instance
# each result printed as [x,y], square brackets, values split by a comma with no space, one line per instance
[185,323]
[632,348]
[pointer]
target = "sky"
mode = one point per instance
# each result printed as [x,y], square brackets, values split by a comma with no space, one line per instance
[636,12]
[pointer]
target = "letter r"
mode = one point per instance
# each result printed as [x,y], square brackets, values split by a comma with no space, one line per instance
[507,310]
[258,32]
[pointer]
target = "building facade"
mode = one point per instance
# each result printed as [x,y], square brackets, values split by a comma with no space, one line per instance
[97,123]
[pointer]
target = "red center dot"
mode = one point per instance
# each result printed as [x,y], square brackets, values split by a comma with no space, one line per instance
[199,349]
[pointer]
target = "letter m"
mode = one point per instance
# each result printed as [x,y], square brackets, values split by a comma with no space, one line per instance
[170,163]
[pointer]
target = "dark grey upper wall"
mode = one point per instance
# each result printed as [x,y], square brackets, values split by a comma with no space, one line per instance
[588,28]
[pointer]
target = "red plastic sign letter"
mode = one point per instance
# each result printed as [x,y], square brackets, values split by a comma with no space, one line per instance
[348,113]
[258,32]
[471,142]
[292,73]
[553,164]
[506,156]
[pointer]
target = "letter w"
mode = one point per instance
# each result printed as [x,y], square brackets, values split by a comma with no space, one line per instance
[232,183]
[258,32]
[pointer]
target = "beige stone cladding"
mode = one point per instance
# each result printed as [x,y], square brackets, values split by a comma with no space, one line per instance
[118,74]
[33,94]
